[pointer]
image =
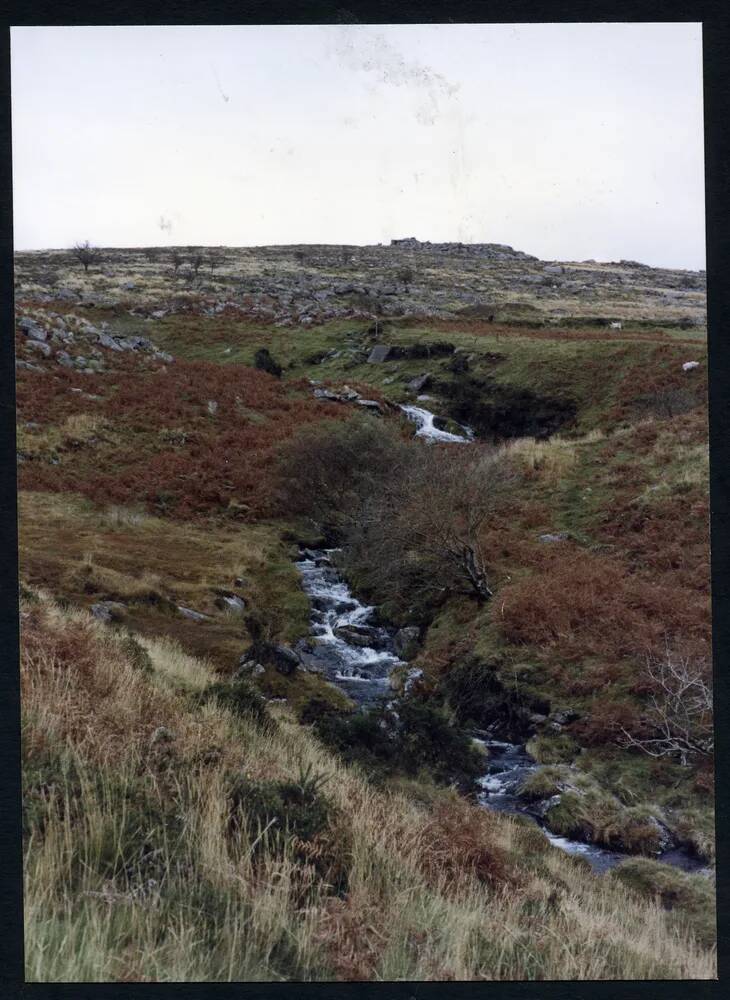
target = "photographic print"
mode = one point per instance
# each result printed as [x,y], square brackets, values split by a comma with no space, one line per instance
[363,489]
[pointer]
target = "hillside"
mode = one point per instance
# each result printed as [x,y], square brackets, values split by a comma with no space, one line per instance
[199,429]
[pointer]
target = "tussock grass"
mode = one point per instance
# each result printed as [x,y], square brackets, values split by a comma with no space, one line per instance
[132,873]
[550,459]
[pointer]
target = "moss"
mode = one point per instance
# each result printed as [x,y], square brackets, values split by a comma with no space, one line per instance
[541,784]
[598,817]
[549,748]
[691,898]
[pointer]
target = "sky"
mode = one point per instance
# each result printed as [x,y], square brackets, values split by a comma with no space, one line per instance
[567,141]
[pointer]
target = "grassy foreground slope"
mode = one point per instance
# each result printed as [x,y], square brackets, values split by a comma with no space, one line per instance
[142,864]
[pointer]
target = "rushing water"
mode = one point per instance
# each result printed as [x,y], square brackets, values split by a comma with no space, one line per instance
[509,765]
[358,657]
[426,428]
[345,646]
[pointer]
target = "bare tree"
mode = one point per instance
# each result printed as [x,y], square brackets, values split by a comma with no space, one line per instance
[429,520]
[678,717]
[405,275]
[176,258]
[410,516]
[85,254]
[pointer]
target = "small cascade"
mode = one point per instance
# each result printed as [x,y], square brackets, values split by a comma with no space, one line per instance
[345,646]
[509,765]
[426,428]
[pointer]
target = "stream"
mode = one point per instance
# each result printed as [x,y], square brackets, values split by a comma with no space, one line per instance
[357,655]
[426,427]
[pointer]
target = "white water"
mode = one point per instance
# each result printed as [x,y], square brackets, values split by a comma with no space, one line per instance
[424,419]
[361,671]
[509,766]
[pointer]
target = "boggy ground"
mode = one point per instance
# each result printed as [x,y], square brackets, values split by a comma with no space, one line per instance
[148,483]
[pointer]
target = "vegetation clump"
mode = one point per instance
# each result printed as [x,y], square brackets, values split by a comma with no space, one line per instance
[409,737]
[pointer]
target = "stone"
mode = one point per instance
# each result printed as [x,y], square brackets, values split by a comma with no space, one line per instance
[379,354]
[406,642]
[212,407]
[230,602]
[196,616]
[370,404]
[560,536]
[40,346]
[689,366]
[285,659]
[328,394]
[65,359]
[553,269]
[106,341]
[36,332]
[420,382]
[109,611]
[161,735]
[264,362]
[357,635]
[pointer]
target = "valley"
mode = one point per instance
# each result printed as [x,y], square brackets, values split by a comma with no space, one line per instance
[362,574]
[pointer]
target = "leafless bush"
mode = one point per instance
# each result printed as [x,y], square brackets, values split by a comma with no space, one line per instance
[422,531]
[667,403]
[85,254]
[409,515]
[405,275]
[678,718]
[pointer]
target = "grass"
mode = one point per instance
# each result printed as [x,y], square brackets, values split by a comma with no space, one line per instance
[155,564]
[130,864]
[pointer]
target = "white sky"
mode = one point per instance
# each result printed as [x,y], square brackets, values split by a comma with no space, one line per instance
[566,141]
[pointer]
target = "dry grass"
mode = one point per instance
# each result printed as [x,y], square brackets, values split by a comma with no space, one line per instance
[151,562]
[550,460]
[129,866]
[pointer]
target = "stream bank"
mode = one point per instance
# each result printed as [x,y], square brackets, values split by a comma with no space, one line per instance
[358,657]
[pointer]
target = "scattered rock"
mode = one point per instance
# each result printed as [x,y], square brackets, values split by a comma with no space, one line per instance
[285,659]
[231,602]
[420,382]
[406,641]
[357,635]
[106,341]
[40,346]
[265,363]
[212,407]
[379,353]
[161,735]
[196,616]
[689,366]
[109,611]
[560,536]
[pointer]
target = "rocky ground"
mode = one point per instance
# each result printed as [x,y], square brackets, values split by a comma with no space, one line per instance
[309,285]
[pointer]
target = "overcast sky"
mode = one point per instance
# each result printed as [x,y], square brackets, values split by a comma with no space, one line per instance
[566,141]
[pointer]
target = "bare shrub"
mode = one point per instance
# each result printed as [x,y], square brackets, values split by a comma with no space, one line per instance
[678,717]
[422,531]
[411,514]
[85,254]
